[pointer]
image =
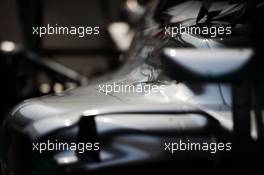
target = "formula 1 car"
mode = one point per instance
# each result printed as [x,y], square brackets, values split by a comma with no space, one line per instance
[181,103]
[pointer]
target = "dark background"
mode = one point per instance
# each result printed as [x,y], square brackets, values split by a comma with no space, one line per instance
[89,55]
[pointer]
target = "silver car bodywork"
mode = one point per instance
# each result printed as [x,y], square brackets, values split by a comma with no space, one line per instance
[133,127]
